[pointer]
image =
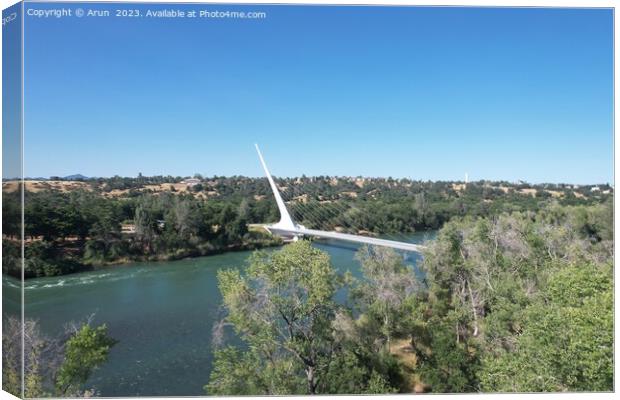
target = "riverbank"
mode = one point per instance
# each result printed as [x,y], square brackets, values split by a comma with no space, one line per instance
[65,258]
[61,258]
[193,253]
[161,313]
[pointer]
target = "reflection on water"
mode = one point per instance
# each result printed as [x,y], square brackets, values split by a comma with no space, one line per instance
[161,314]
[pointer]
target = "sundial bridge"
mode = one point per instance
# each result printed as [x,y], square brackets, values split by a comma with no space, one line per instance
[287,228]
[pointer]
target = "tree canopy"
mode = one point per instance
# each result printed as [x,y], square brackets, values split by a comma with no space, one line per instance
[522,301]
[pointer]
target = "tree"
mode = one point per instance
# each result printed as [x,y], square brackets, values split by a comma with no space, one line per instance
[105,242]
[56,367]
[11,258]
[386,294]
[185,218]
[520,302]
[146,227]
[11,214]
[451,366]
[284,310]
[285,307]
[86,349]
[232,225]
[567,339]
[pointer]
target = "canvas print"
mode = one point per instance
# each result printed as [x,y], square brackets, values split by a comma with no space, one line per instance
[204,199]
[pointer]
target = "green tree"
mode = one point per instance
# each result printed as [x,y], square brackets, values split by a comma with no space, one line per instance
[52,367]
[105,242]
[84,352]
[285,307]
[146,227]
[451,366]
[520,302]
[285,312]
[11,214]
[232,224]
[386,293]
[567,339]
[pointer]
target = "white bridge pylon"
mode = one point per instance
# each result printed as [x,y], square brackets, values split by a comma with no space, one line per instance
[288,229]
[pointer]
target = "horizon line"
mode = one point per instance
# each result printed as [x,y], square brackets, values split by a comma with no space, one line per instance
[513,182]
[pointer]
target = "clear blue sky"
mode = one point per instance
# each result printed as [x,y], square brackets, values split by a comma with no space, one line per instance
[425,93]
[11,93]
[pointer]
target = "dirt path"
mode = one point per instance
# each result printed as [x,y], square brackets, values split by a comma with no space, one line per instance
[402,350]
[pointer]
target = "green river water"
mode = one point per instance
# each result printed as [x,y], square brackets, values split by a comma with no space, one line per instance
[161,314]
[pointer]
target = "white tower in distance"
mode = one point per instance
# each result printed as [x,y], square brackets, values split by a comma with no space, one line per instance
[466,178]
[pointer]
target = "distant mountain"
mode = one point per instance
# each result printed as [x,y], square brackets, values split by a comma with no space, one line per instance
[75,177]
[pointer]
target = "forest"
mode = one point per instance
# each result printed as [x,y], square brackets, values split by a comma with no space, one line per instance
[515,292]
[72,226]
[517,302]
[70,232]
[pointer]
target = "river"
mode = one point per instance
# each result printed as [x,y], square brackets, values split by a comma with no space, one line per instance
[161,313]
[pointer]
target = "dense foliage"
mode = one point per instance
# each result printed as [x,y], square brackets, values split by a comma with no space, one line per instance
[66,232]
[53,367]
[72,225]
[521,301]
[285,311]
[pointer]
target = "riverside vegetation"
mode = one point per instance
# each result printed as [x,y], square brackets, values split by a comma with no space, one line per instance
[516,291]
[75,225]
[53,367]
[521,301]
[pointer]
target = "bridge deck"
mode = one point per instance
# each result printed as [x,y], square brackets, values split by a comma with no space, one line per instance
[354,238]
